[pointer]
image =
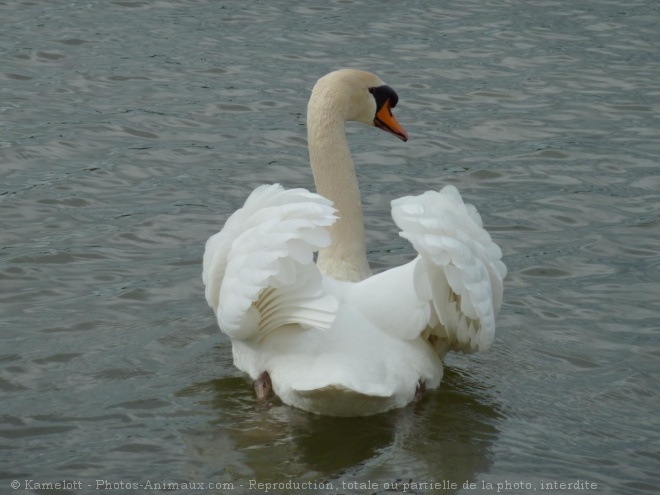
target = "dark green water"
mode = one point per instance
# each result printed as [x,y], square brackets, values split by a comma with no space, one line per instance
[130,130]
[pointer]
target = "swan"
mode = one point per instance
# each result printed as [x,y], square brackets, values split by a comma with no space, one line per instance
[330,337]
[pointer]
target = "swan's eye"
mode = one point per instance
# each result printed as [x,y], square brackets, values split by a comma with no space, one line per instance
[383,94]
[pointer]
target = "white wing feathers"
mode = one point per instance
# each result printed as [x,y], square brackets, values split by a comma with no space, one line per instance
[459,269]
[259,271]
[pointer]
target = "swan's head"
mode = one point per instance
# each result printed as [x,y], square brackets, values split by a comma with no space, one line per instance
[358,96]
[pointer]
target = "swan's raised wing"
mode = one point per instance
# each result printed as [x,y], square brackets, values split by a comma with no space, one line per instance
[259,271]
[459,270]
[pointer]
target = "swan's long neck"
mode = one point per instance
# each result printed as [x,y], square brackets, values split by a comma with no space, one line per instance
[334,176]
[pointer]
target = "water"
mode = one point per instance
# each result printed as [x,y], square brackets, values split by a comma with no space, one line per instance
[130,130]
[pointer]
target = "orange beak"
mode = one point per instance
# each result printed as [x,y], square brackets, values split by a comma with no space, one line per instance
[386,121]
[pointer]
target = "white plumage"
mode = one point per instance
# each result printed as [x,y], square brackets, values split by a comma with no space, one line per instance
[332,338]
[259,271]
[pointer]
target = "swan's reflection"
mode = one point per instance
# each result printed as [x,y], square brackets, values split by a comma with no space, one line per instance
[446,437]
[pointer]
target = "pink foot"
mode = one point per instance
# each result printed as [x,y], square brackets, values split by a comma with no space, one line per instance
[420,391]
[263,386]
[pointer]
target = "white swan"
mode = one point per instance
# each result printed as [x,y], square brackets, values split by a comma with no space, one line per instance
[330,337]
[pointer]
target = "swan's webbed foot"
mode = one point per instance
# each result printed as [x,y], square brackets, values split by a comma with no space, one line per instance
[420,391]
[263,386]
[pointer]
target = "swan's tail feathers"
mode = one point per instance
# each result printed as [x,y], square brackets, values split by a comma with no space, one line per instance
[459,269]
[336,400]
[259,271]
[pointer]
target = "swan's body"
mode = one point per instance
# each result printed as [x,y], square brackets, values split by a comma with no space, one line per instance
[330,337]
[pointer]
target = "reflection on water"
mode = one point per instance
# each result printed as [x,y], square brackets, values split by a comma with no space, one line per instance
[451,433]
[130,130]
